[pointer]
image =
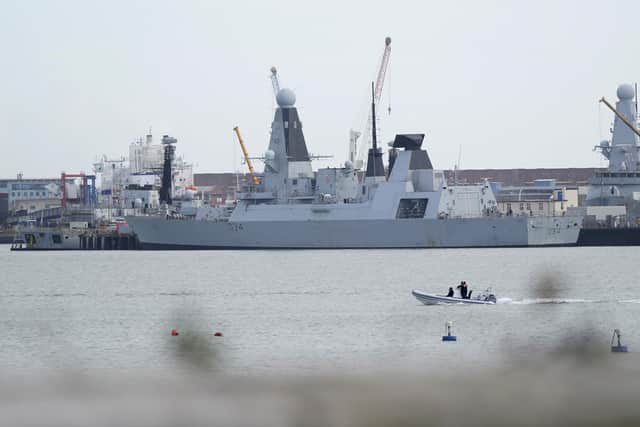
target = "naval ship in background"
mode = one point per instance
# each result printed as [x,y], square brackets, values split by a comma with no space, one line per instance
[614,194]
[407,205]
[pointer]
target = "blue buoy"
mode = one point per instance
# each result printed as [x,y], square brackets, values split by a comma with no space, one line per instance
[448,329]
[619,348]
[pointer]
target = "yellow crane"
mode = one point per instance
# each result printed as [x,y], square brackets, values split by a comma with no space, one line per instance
[620,116]
[254,178]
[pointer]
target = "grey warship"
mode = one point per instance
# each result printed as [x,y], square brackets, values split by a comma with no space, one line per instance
[616,191]
[406,205]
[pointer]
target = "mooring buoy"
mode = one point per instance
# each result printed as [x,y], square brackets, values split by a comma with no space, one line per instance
[619,348]
[448,330]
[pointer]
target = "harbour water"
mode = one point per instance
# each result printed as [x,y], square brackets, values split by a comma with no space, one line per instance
[309,311]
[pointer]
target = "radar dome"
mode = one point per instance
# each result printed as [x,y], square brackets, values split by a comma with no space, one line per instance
[626,91]
[269,155]
[348,164]
[604,143]
[286,98]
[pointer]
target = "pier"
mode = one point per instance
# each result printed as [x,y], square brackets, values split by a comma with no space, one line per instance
[88,240]
[109,241]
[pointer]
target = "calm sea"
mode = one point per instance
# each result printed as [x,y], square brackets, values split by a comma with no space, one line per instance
[308,311]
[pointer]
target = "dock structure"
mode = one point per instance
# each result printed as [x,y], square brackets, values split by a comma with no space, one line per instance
[55,239]
[110,241]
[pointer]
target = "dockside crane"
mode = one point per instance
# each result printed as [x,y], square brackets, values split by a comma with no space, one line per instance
[620,116]
[247,159]
[382,72]
[357,152]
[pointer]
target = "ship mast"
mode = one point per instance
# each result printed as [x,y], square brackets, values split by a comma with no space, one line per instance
[375,166]
[374,138]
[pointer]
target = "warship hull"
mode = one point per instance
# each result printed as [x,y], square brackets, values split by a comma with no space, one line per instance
[623,236]
[161,233]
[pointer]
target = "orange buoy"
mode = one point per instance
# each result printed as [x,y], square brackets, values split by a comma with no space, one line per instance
[174,333]
[218,334]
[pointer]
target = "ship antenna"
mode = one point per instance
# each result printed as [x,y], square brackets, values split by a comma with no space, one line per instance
[457,166]
[636,97]
[373,127]
[373,117]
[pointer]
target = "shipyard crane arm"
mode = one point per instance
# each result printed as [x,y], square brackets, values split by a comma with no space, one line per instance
[274,81]
[361,148]
[620,116]
[382,71]
[254,178]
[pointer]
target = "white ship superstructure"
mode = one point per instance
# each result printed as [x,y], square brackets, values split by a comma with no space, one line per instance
[133,184]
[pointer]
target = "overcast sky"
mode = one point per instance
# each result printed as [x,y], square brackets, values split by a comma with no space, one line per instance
[513,84]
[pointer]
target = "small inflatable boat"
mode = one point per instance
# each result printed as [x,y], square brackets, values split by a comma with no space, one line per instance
[485,297]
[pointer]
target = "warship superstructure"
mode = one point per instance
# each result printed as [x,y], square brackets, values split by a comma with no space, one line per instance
[619,185]
[616,191]
[407,205]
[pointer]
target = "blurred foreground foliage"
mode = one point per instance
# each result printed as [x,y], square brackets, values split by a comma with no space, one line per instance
[556,390]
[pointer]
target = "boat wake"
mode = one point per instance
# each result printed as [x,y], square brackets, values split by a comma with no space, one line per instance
[530,301]
[45,295]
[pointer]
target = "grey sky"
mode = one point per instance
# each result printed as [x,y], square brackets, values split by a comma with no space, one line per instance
[515,83]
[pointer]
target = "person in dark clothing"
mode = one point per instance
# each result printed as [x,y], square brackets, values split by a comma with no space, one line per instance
[450,294]
[463,289]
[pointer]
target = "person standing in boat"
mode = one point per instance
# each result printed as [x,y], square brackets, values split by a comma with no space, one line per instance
[463,289]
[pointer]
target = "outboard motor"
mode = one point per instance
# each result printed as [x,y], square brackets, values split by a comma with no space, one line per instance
[488,296]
